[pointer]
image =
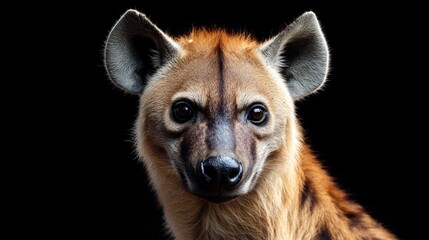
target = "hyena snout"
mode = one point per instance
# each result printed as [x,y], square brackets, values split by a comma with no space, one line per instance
[219,173]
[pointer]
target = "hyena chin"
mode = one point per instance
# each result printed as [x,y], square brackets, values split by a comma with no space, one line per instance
[218,134]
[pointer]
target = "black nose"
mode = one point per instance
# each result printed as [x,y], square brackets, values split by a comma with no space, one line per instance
[220,172]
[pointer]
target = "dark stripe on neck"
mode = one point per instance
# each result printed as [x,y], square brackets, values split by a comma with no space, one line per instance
[308,197]
[355,219]
[323,234]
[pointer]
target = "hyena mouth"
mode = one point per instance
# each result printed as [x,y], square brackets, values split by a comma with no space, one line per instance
[217,179]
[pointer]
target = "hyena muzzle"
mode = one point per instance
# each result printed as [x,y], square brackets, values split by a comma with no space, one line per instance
[218,135]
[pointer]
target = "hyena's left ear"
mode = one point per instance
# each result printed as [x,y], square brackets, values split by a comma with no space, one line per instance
[135,49]
[301,55]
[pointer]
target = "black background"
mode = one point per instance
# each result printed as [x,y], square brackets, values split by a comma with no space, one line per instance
[363,125]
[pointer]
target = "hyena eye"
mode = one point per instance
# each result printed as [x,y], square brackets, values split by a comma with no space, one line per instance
[183,111]
[257,114]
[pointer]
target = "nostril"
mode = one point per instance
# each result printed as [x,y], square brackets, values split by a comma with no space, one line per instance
[235,174]
[208,172]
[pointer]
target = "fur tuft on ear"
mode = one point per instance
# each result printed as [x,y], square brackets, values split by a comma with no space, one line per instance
[135,49]
[300,53]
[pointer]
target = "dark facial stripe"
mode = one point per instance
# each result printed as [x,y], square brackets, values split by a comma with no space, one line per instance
[220,132]
[220,59]
[253,157]
[185,148]
[253,152]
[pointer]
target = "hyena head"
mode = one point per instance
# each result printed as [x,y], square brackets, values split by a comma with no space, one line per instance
[214,106]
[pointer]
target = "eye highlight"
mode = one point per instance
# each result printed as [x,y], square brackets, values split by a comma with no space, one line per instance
[183,111]
[257,114]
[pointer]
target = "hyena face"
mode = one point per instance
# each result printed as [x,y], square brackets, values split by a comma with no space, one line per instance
[212,118]
[214,106]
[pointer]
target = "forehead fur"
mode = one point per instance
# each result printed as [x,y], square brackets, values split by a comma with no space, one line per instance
[217,64]
[206,42]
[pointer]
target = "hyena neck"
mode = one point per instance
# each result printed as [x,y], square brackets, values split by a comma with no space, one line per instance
[332,214]
[301,205]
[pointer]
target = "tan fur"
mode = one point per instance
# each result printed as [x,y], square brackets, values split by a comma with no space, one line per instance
[274,208]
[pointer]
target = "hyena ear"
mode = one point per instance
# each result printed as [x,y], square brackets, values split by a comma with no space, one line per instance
[135,49]
[301,55]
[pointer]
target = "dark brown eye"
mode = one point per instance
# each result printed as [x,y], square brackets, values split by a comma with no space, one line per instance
[182,111]
[257,114]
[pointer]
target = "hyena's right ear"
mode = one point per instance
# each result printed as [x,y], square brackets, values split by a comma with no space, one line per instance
[135,49]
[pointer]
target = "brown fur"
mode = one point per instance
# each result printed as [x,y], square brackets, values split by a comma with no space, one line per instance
[292,198]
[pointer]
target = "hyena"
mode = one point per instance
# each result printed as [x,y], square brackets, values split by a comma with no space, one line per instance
[218,133]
